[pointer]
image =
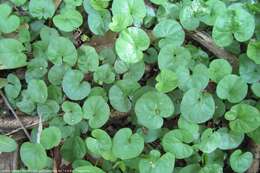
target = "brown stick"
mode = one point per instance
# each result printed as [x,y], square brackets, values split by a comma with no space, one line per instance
[206,41]
[255,149]
[15,115]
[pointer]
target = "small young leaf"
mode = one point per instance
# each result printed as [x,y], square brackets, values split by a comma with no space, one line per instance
[127,145]
[239,161]
[202,104]
[152,107]
[11,54]
[50,137]
[243,118]
[73,113]
[233,88]
[74,87]
[33,156]
[7,144]
[68,20]
[96,110]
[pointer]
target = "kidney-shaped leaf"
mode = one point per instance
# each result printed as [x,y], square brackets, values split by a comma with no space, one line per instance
[155,163]
[175,142]
[96,110]
[243,118]
[253,51]
[197,106]
[7,144]
[88,169]
[73,113]
[131,44]
[170,31]
[33,156]
[60,50]
[68,20]
[127,145]
[8,22]
[100,143]
[42,8]
[37,91]
[239,161]
[233,88]
[11,54]
[74,87]
[50,137]
[152,107]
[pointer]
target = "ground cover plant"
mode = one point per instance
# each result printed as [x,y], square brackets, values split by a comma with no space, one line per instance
[130,86]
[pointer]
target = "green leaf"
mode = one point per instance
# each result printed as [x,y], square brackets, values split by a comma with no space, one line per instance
[132,10]
[7,144]
[48,109]
[33,156]
[36,69]
[74,87]
[190,168]
[104,74]
[253,51]
[243,118]
[88,169]
[73,113]
[209,141]
[96,110]
[202,104]
[171,57]
[88,59]
[175,142]
[166,81]
[229,139]
[127,145]
[13,86]
[99,5]
[235,21]
[135,71]
[233,88]
[170,32]
[120,22]
[193,128]
[197,78]
[50,137]
[248,70]
[159,2]
[56,73]
[42,8]
[68,20]
[73,149]
[255,135]
[11,54]
[188,17]
[37,91]
[211,168]
[256,89]
[131,44]
[18,2]
[98,19]
[239,161]
[119,94]
[61,50]
[8,22]
[218,69]
[152,107]
[100,143]
[155,163]
[26,105]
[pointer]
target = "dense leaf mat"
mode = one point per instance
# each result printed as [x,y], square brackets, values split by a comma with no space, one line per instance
[123,86]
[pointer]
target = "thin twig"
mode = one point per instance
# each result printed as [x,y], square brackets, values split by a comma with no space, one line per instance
[15,115]
[206,41]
